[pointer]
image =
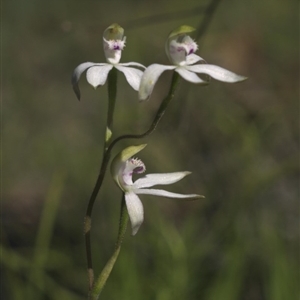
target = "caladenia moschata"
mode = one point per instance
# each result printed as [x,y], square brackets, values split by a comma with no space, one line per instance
[180,49]
[124,166]
[97,73]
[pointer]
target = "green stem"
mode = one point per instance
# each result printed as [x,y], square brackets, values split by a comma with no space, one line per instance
[123,222]
[112,95]
[159,115]
[206,20]
[104,164]
[100,282]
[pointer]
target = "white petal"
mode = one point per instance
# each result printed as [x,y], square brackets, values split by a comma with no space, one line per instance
[162,179]
[216,72]
[135,211]
[193,58]
[189,76]
[97,75]
[76,76]
[149,79]
[132,64]
[132,75]
[165,194]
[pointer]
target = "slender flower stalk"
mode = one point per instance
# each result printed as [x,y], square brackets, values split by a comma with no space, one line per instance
[112,95]
[159,114]
[101,280]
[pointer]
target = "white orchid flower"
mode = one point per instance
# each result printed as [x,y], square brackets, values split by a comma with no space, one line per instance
[96,75]
[180,49]
[122,169]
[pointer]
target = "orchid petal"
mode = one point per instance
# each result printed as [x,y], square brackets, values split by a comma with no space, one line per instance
[97,75]
[149,79]
[167,194]
[135,211]
[216,72]
[132,64]
[193,58]
[159,179]
[189,76]
[76,76]
[132,75]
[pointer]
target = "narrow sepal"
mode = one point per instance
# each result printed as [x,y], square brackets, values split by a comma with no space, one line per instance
[163,193]
[135,211]
[217,73]
[149,79]
[97,75]
[133,76]
[159,179]
[76,76]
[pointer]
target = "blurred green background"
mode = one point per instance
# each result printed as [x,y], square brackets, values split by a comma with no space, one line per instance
[240,141]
